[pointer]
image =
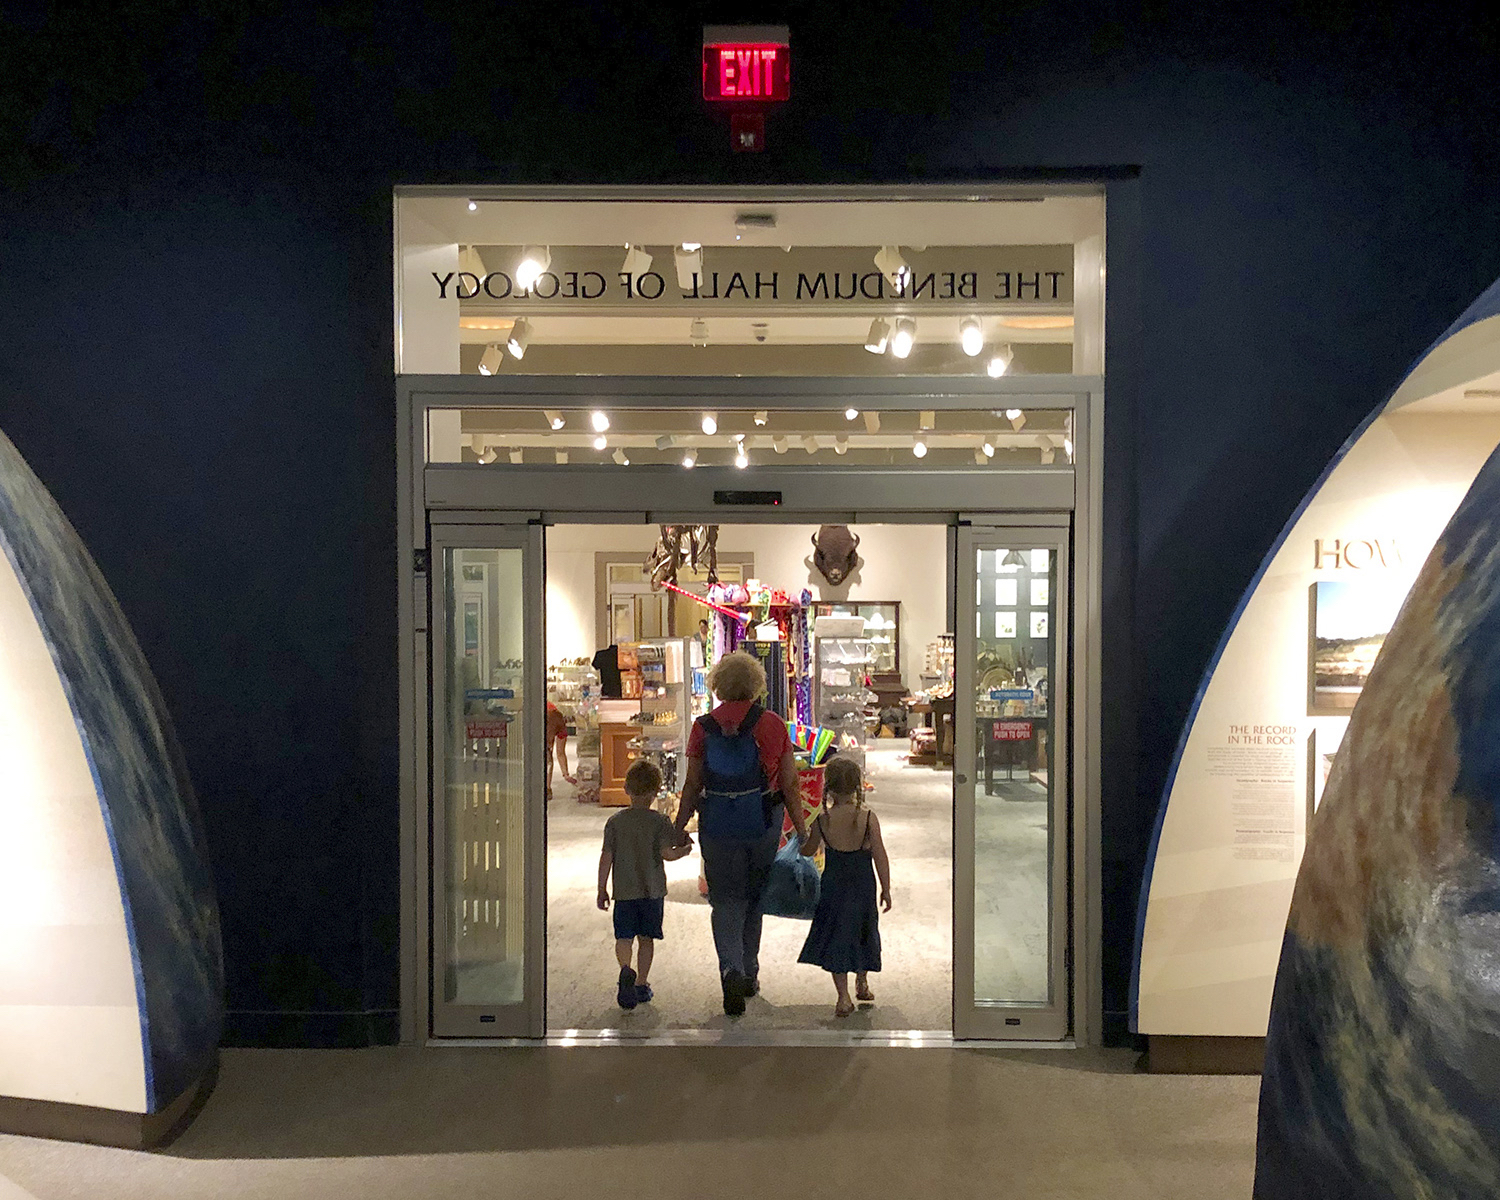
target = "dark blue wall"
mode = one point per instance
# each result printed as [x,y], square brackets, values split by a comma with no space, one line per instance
[195,335]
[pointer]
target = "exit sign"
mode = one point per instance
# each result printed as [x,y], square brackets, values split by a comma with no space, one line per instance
[746,63]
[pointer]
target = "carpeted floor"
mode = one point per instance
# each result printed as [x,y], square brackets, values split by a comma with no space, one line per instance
[913,991]
[412,1124]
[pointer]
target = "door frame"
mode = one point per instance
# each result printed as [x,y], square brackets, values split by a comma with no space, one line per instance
[584,492]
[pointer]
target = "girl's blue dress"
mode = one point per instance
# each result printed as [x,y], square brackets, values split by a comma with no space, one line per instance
[845,933]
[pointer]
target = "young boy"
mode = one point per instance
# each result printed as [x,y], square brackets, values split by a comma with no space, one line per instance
[637,843]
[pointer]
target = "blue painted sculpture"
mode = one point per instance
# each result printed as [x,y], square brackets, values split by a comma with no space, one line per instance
[116,1002]
[1382,1074]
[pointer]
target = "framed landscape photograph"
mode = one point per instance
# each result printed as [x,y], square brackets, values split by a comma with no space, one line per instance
[1348,621]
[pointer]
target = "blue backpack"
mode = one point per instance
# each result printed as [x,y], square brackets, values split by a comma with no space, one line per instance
[734,803]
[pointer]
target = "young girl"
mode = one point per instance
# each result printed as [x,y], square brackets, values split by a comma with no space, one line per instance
[845,933]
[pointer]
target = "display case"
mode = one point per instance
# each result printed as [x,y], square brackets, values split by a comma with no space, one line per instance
[663,677]
[573,688]
[842,699]
[882,620]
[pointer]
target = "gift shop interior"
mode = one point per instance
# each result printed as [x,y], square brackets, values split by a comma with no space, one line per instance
[852,624]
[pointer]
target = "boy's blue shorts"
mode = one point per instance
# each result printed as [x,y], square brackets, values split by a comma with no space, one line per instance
[639,918]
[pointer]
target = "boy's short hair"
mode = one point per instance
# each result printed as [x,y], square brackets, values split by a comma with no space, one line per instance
[643,778]
[842,776]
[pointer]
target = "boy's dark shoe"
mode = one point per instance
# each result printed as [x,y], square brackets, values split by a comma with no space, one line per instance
[643,993]
[625,993]
[734,993]
[752,986]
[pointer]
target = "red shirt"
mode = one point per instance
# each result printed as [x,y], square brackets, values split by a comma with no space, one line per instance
[770,735]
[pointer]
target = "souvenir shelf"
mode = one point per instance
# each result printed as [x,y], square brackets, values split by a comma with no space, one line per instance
[882,620]
[842,701]
[661,677]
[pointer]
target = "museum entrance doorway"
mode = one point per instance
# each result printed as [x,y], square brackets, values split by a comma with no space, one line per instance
[510,595]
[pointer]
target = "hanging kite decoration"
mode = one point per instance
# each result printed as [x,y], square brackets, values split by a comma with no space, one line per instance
[696,545]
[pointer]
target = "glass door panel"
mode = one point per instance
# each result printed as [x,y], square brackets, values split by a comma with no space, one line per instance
[1011,780]
[487,809]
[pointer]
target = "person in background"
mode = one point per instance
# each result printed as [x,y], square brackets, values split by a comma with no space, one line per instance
[739,768]
[845,932]
[702,636]
[638,842]
[557,745]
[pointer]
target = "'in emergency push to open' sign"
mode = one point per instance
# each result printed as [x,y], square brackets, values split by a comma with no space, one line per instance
[746,70]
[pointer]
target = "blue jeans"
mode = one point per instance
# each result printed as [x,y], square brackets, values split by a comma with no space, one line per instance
[736,870]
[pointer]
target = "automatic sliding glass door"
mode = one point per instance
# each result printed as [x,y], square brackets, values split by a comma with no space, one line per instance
[1011,781]
[488,691]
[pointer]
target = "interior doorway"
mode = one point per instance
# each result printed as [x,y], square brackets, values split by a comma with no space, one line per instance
[893,607]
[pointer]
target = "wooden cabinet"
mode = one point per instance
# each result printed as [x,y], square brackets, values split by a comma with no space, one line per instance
[615,757]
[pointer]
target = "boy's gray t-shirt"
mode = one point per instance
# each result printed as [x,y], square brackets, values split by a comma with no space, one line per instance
[636,837]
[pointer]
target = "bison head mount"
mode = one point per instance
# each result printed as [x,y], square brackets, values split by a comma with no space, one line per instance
[835,553]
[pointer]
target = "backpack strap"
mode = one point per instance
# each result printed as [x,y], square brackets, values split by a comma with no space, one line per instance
[752,718]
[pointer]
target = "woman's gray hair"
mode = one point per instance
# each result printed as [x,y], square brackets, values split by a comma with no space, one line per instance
[737,676]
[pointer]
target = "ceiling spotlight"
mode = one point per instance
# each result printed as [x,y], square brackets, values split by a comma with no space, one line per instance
[554,418]
[890,264]
[872,422]
[979,456]
[490,360]
[490,455]
[778,443]
[850,413]
[762,417]
[1068,447]
[601,442]
[600,420]
[1048,455]
[987,448]
[919,448]
[1000,363]
[690,459]
[622,458]
[904,337]
[971,336]
[926,419]
[665,442]
[469,260]
[879,336]
[698,332]
[709,424]
[473,207]
[534,260]
[517,456]
[637,262]
[741,459]
[562,458]
[810,443]
[520,334]
[689,261]
[841,445]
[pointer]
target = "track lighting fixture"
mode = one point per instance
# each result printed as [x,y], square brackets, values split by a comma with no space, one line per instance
[688,259]
[810,443]
[778,444]
[1016,417]
[879,336]
[690,459]
[971,336]
[709,424]
[637,262]
[1048,455]
[555,419]
[621,457]
[1068,448]
[872,422]
[534,260]
[489,455]
[850,413]
[665,442]
[490,360]
[698,332]
[1000,362]
[904,337]
[600,420]
[473,207]
[919,448]
[601,442]
[517,456]
[888,262]
[927,419]
[520,335]
[762,417]
[979,456]
[987,448]
[741,459]
[841,445]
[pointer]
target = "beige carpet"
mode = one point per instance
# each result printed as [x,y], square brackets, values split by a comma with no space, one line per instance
[409,1123]
[913,991]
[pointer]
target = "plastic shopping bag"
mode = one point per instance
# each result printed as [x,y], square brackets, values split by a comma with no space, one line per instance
[792,886]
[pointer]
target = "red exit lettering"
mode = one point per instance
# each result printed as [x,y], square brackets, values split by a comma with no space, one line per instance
[736,72]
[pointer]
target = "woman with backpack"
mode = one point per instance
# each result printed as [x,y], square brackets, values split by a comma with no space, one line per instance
[739,768]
